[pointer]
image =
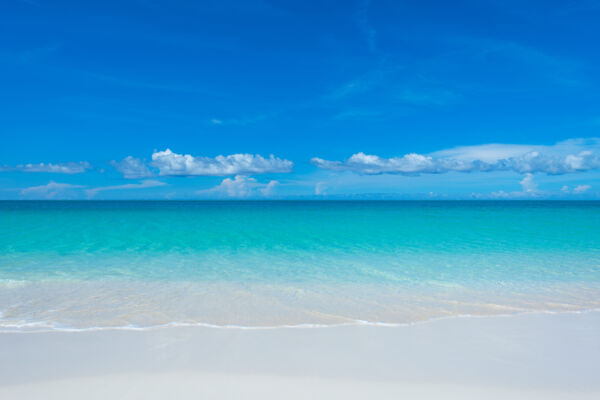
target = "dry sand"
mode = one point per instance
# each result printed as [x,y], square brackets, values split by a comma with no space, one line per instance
[549,356]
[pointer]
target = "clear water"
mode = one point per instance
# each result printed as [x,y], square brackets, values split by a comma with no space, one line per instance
[117,264]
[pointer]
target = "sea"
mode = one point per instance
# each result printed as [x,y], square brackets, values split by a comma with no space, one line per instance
[89,265]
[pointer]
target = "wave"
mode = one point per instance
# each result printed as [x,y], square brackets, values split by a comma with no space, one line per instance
[47,326]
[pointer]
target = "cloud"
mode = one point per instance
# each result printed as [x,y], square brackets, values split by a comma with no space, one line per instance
[528,185]
[574,155]
[530,190]
[581,189]
[362,20]
[241,186]
[268,190]
[58,168]
[132,168]
[320,188]
[429,97]
[576,190]
[361,84]
[492,52]
[173,164]
[142,185]
[51,190]
[243,120]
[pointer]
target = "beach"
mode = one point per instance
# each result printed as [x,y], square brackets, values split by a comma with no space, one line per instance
[531,356]
[300,200]
[299,300]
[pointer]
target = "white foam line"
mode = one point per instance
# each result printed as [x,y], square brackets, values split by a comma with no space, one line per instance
[52,328]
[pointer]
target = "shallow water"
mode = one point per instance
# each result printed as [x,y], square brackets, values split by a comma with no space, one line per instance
[116,264]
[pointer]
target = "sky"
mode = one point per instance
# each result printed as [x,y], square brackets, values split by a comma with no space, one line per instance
[153,99]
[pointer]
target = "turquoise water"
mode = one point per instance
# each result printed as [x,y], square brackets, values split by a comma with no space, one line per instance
[112,264]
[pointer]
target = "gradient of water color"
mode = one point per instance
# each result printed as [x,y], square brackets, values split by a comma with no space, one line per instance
[82,265]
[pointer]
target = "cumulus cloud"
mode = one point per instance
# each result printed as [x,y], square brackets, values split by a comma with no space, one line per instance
[51,190]
[576,190]
[241,186]
[320,188]
[530,190]
[581,189]
[58,168]
[142,185]
[268,189]
[528,185]
[173,164]
[132,168]
[574,155]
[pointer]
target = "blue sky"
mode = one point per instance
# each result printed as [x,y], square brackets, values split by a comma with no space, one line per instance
[298,99]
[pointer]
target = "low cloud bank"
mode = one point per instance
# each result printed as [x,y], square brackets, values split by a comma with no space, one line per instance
[575,155]
[58,168]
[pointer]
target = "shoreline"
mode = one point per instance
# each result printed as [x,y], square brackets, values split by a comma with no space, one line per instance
[356,323]
[541,355]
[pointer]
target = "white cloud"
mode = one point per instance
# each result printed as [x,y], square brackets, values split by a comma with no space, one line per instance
[320,188]
[574,155]
[51,190]
[581,189]
[132,168]
[530,190]
[58,168]
[268,190]
[170,164]
[142,185]
[500,194]
[241,186]
[576,190]
[528,185]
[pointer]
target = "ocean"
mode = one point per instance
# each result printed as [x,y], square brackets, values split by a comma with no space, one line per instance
[80,265]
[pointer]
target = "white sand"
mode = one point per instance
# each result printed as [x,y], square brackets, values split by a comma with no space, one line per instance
[549,356]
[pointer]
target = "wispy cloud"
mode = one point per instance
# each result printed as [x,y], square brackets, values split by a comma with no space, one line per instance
[429,97]
[362,20]
[136,83]
[358,114]
[575,155]
[361,84]
[132,168]
[51,190]
[554,68]
[240,187]
[242,120]
[173,164]
[58,168]
[36,54]
[149,183]
[581,188]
